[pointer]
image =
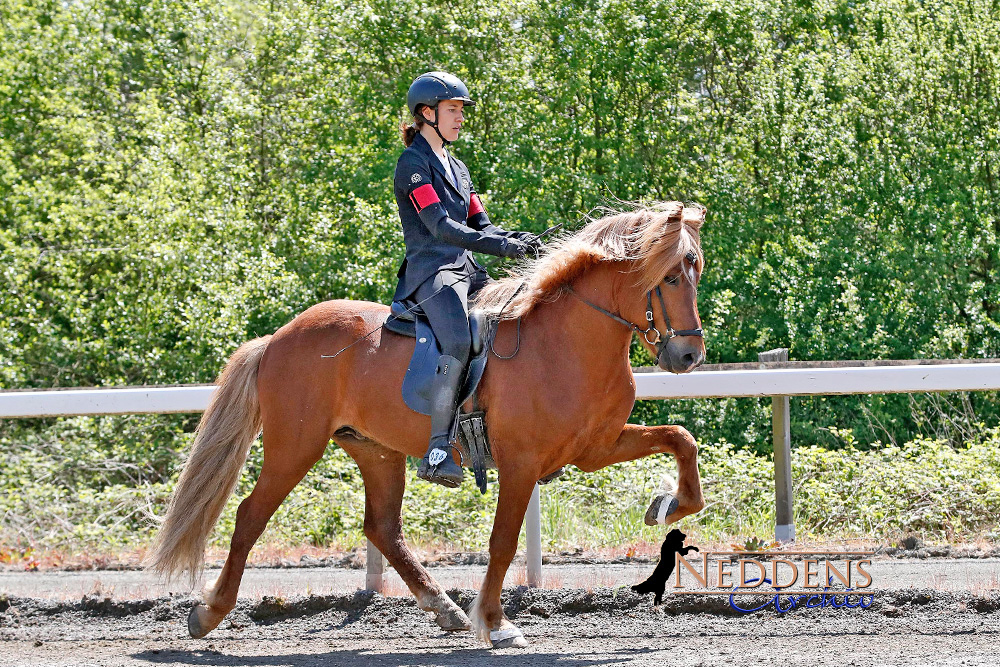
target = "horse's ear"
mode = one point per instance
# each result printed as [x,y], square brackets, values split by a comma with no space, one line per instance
[671,208]
[694,215]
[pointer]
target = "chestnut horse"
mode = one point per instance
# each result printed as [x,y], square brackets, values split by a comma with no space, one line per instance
[563,398]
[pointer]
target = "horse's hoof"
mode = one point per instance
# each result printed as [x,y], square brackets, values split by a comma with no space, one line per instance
[509,637]
[661,507]
[199,624]
[448,615]
[453,619]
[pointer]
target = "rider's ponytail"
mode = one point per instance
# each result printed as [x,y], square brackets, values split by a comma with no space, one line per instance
[409,130]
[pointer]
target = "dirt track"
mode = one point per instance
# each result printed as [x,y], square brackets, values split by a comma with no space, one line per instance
[954,575]
[565,627]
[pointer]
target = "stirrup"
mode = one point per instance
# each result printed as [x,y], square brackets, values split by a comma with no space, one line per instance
[431,470]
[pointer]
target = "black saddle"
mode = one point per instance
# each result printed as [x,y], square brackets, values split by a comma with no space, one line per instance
[411,321]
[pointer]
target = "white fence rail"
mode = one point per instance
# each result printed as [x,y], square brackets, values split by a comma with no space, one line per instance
[820,381]
[658,385]
[109,401]
[779,382]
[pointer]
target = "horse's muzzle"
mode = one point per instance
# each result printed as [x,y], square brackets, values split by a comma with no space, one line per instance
[682,354]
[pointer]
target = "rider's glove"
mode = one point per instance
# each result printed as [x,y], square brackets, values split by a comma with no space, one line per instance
[534,243]
[514,248]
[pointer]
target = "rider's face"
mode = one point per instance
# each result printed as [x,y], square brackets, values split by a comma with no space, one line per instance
[450,118]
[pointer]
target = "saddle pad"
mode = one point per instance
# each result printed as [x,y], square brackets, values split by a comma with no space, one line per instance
[423,364]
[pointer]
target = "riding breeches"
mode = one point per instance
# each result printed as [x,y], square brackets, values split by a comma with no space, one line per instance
[448,309]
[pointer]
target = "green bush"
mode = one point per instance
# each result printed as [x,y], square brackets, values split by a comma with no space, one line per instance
[60,493]
[178,177]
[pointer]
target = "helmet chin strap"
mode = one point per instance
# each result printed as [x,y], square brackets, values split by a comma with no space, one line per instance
[435,125]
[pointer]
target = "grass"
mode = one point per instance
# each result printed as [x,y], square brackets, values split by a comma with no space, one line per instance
[50,515]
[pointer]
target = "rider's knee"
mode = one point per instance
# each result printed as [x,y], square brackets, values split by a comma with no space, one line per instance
[458,347]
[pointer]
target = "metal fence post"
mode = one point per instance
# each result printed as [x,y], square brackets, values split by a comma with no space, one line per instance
[533,538]
[784,528]
[374,569]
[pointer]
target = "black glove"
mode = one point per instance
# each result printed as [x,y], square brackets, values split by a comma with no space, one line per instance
[534,243]
[514,249]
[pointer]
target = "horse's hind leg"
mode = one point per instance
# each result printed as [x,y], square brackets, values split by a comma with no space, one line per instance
[287,458]
[384,472]
[638,441]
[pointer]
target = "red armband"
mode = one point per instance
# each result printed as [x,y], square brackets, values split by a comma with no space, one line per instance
[475,206]
[424,196]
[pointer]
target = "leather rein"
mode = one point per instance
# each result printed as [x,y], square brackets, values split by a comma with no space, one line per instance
[659,339]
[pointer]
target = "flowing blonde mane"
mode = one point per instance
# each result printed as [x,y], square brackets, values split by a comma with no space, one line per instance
[655,236]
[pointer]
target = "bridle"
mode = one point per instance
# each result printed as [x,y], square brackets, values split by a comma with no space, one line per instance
[658,339]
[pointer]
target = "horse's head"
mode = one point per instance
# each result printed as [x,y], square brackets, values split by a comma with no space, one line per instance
[655,252]
[676,339]
[681,354]
[668,265]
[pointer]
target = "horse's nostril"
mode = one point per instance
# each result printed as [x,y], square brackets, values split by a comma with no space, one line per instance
[692,359]
[682,359]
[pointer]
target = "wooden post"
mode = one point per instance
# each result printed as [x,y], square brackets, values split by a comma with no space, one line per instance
[375,568]
[533,539]
[784,528]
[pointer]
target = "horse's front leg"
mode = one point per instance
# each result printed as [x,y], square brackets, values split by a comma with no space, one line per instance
[488,620]
[637,441]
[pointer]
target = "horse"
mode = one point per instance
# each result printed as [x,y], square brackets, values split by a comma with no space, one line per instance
[563,398]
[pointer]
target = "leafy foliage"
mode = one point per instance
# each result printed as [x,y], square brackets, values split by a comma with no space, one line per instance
[59,492]
[177,177]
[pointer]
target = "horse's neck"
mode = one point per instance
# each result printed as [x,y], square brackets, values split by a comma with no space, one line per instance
[596,341]
[612,287]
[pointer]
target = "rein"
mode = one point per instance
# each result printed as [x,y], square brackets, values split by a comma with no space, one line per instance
[469,274]
[658,338]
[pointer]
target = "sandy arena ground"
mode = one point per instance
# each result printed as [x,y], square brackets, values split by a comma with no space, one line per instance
[926,612]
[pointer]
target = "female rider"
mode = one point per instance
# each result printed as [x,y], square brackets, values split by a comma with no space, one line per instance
[443,220]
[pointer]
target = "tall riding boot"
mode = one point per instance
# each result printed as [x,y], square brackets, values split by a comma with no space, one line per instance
[438,464]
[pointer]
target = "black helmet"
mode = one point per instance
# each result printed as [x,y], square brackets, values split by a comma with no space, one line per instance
[434,87]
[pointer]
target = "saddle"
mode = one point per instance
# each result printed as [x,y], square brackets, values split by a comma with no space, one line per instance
[473,440]
[423,363]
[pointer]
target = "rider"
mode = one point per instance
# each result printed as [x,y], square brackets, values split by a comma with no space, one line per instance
[443,220]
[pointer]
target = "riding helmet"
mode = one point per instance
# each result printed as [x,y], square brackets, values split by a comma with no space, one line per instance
[434,87]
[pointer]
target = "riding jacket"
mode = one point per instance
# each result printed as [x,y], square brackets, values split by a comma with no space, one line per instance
[442,221]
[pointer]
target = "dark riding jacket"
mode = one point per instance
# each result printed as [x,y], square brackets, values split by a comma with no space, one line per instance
[442,222]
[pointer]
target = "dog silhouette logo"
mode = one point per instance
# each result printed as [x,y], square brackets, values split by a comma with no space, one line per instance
[657,582]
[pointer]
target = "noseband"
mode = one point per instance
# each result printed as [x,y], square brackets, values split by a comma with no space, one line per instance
[658,339]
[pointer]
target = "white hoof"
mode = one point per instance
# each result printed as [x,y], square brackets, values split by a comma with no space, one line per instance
[509,637]
[452,619]
[448,615]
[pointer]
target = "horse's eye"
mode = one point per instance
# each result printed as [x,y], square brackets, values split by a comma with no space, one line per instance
[671,280]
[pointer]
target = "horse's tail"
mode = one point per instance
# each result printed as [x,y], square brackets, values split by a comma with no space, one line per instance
[227,429]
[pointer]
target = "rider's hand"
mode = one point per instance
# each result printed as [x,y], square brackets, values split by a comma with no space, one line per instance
[534,243]
[514,249]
